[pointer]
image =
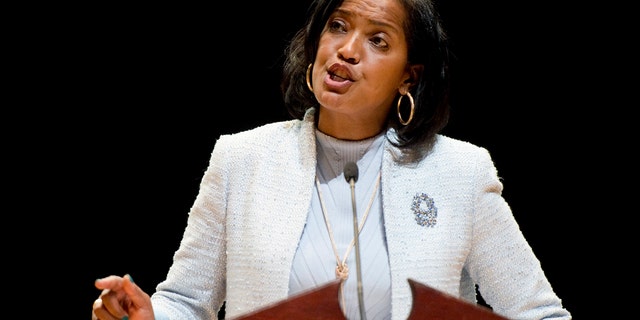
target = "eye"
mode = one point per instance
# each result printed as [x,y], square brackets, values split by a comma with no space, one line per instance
[379,42]
[336,26]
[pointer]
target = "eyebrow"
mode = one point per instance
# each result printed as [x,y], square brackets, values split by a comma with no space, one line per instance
[372,21]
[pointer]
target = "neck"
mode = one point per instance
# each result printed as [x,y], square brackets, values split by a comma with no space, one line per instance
[346,127]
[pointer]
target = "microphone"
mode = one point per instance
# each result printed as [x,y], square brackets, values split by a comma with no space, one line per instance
[351,172]
[351,175]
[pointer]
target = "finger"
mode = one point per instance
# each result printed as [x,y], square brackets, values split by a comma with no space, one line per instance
[113,303]
[96,305]
[110,282]
[135,293]
[99,312]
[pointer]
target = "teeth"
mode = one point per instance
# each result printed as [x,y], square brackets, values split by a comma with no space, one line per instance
[335,75]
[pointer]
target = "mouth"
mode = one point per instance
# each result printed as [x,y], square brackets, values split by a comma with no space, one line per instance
[338,78]
[339,73]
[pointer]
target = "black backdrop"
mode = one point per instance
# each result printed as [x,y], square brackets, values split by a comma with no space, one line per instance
[143,93]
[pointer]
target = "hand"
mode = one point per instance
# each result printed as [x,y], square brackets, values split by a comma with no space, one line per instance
[121,299]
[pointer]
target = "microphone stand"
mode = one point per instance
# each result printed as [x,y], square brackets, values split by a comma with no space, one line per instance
[352,177]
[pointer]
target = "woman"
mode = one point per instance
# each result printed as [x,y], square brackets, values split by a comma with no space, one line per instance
[366,82]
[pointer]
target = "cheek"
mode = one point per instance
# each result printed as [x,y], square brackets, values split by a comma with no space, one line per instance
[325,50]
[386,78]
[323,54]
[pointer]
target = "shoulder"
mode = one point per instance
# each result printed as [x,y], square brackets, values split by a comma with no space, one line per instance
[449,144]
[459,151]
[269,152]
[262,136]
[273,144]
[463,157]
[454,155]
[282,135]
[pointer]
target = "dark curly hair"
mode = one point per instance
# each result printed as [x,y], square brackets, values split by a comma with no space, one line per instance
[427,45]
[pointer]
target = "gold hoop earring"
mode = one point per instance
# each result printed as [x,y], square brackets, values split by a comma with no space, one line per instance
[308,78]
[413,107]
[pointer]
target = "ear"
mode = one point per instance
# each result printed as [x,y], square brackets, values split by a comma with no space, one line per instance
[414,72]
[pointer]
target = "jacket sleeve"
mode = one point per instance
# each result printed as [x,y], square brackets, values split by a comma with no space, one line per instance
[195,285]
[509,275]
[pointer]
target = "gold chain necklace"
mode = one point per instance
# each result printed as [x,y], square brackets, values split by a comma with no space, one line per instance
[342,270]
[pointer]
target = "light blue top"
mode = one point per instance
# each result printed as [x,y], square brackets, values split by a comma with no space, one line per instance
[315,261]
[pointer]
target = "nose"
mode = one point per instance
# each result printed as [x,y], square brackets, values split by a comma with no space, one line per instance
[349,51]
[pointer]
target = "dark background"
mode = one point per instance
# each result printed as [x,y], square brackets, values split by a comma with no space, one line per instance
[131,99]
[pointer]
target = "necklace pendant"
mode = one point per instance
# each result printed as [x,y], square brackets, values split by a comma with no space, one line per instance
[342,271]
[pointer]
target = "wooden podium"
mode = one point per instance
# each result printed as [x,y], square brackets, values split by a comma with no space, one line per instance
[322,304]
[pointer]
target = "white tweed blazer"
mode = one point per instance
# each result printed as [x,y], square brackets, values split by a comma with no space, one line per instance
[245,223]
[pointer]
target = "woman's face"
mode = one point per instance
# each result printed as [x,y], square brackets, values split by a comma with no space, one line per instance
[361,61]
